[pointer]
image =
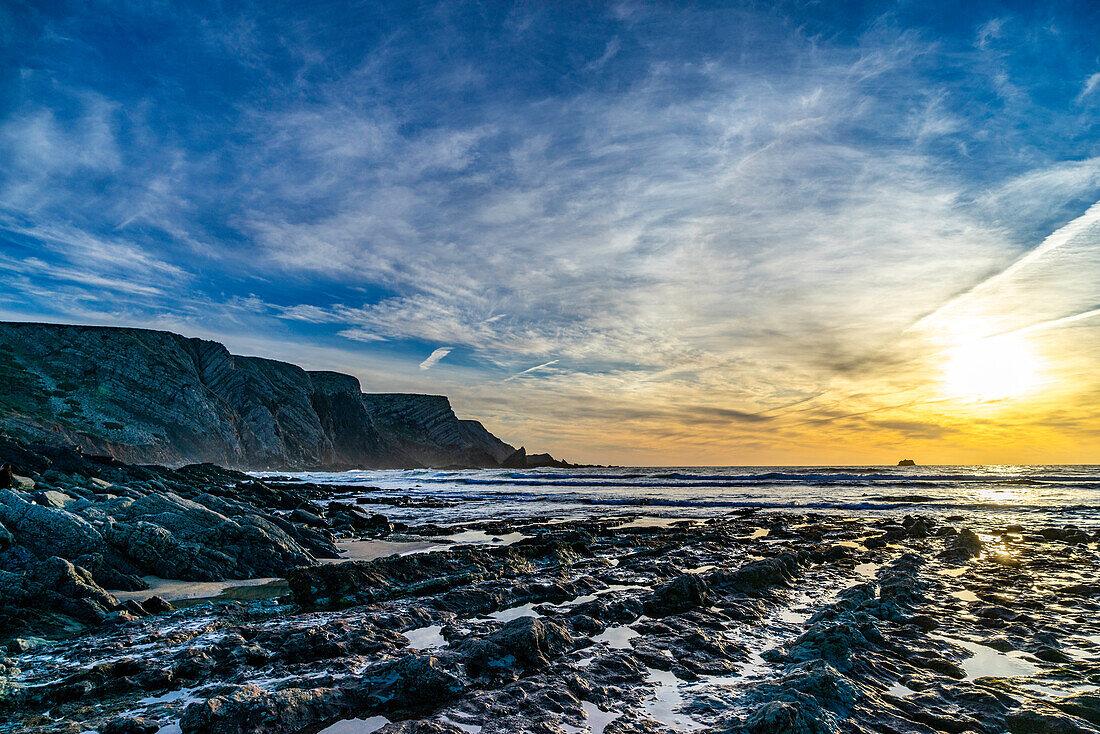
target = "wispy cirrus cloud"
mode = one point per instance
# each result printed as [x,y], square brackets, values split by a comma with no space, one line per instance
[661,208]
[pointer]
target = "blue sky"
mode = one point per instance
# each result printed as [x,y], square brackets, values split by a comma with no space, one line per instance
[631,232]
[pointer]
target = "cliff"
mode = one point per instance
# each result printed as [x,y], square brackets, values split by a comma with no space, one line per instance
[147,396]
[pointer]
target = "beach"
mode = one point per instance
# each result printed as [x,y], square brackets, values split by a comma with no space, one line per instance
[937,610]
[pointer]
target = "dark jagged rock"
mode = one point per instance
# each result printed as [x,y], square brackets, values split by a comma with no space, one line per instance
[132,725]
[682,593]
[157,397]
[1068,534]
[190,541]
[410,683]
[48,531]
[522,644]
[117,523]
[520,459]
[796,634]
[248,709]
[964,546]
[758,575]
[362,582]
[1043,720]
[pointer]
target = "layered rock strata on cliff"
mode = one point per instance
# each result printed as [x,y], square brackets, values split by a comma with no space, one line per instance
[157,397]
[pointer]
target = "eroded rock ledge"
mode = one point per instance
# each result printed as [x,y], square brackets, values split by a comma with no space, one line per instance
[750,623]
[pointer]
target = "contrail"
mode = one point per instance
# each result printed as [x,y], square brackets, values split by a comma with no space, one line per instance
[1054,240]
[1058,322]
[531,369]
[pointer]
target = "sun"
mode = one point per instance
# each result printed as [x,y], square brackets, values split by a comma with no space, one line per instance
[996,368]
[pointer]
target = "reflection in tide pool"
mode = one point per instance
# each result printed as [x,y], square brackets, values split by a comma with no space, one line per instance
[426,638]
[667,701]
[507,615]
[985,662]
[356,726]
[617,637]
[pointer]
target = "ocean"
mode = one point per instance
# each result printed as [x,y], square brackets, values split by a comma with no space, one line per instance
[1052,494]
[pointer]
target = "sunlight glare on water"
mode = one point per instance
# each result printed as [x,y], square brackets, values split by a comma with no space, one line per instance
[1067,494]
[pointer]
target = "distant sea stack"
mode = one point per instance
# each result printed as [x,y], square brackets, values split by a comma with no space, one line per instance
[907,462]
[146,396]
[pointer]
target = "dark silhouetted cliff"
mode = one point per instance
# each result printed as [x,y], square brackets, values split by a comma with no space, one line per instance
[157,397]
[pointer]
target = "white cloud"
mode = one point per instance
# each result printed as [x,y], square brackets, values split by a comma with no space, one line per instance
[434,357]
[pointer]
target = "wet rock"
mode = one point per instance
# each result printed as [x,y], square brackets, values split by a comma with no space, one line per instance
[377,525]
[1084,588]
[339,638]
[308,518]
[132,607]
[174,537]
[936,663]
[132,725]
[1052,655]
[523,644]
[790,717]
[156,605]
[899,582]
[758,576]
[57,585]
[24,644]
[53,498]
[963,547]
[679,595]
[1044,720]
[1067,534]
[10,480]
[834,641]
[616,611]
[362,582]
[836,553]
[47,531]
[689,651]
[1085,706]
[586,625]
[918,527]
[250,709]
[408,684]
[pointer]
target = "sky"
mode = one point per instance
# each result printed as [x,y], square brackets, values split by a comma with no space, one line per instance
[630,233]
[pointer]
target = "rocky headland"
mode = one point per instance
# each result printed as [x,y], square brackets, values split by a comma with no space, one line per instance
[154,397]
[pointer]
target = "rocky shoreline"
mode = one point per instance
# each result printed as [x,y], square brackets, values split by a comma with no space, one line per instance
[749,622]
